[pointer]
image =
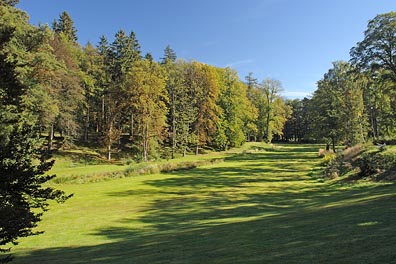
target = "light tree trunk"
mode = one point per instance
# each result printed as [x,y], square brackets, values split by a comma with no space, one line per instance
[51,137]
[173,127]
[86,126]
[131,126]
[145,143]
[103,115]
[109,141]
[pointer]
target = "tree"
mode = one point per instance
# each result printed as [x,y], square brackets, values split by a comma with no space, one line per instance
[271,89]
[117,60]
[380,102]
[145,88]
[23,161]
[183,109]
[378,49]
[297,126]
[337,106]
[66,86]
[89,62]
[251,83]
[235,105]
[201,80]
[169,55]
[9,2]
[65,25]
[173,84]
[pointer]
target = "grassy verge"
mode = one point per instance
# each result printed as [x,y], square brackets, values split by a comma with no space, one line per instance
[261,205]
[81,166]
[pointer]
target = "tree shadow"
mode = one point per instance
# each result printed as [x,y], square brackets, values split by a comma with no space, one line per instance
[246,213]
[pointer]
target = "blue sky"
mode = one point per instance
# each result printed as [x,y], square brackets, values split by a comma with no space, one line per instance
[294,41]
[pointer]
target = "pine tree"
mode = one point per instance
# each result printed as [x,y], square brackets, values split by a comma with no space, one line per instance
[169,55]
[65,25]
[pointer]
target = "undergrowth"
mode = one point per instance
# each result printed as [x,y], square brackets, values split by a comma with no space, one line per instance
[136,170]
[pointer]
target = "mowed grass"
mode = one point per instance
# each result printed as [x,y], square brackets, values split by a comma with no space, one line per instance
[261,206]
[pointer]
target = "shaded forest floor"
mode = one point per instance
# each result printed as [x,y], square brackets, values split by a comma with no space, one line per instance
[261,205]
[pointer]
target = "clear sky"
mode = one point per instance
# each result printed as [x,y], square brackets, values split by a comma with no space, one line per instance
[294,41]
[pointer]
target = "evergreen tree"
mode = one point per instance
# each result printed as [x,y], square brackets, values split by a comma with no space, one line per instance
[65,25]
[169,56]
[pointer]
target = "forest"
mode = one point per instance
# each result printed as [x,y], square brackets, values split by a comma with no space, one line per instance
[58,94]
[110,95]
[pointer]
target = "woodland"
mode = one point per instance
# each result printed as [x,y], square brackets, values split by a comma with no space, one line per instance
[57,94]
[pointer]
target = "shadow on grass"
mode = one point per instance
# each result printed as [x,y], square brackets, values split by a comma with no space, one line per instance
[247,212]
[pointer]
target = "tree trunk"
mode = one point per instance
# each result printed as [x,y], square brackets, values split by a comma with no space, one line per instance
[131,126]
[267,128]
[109,141]
[51,137]
[86,126]
[333,144]
[173,127]
[197,150]
[109,151]
[103,115]
[145,143]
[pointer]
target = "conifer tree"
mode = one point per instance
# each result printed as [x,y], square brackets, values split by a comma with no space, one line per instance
[65,25]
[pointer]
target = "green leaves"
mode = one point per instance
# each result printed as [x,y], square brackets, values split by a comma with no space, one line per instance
[24,57]
[378,48]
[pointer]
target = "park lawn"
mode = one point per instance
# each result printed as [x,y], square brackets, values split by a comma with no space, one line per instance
[263,205]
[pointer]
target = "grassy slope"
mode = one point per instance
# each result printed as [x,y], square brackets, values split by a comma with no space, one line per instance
[259,207]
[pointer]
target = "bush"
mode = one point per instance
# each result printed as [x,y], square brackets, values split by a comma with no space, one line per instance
[376,162]
[341,163]
[328,158]
[337,167]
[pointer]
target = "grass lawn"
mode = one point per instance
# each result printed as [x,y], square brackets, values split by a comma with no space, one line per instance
[260,206]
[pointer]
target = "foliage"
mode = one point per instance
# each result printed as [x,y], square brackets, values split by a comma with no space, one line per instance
[338,105]
[24,56]
[298,126]
[342,162]
[146,90]
[23,198]
[379,45]
[376,162]
[65,25]
[97,94]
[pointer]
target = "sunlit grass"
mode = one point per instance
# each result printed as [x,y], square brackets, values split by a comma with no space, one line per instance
[263,204]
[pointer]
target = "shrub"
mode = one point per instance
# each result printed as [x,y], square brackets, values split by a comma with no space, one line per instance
[376,162]
[340,163]
[328,158]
